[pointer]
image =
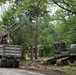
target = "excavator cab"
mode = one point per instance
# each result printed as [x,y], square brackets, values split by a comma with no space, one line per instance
[59,48]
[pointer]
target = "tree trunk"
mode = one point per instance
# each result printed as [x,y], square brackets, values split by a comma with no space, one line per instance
[31,45]
[36,44]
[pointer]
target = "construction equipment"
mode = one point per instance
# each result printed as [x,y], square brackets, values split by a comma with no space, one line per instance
[61,54]
[9,54]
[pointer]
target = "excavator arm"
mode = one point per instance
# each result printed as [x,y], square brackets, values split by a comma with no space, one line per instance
[26,21]
[17,25]
[58,46]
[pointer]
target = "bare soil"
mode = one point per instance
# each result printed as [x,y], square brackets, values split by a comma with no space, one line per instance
[38,66]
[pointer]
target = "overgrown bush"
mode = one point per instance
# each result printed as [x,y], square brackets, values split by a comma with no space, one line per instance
[45,50]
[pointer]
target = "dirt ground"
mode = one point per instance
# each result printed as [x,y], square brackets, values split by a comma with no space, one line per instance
[48,71]
[38,66]
[16,71]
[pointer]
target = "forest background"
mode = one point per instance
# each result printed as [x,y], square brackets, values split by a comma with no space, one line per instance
[38,12]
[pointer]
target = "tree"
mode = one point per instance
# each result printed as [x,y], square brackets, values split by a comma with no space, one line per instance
[34,9]
[65,26]
[66,5]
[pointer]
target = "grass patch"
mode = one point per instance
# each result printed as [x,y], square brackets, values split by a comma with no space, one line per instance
[69,70]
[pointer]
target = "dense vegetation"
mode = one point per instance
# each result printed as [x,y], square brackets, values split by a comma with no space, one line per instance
[37,36]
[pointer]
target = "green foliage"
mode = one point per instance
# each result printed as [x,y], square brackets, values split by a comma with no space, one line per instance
[8,17]
[45,50]
[62,22]
[0,27]
[2,1]
[66,26]
[66,5]
[70,70]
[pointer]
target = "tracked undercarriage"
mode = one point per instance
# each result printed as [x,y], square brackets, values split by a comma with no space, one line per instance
[62,60]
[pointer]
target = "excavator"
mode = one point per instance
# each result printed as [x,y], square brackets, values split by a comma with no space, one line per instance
[10,54]
[61,54]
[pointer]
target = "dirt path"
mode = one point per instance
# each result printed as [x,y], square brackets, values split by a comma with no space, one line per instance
[12,71]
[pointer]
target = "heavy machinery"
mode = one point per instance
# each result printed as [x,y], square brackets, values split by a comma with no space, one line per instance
[62,55]
[9,54]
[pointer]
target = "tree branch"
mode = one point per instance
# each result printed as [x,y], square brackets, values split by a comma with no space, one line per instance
[74,12]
